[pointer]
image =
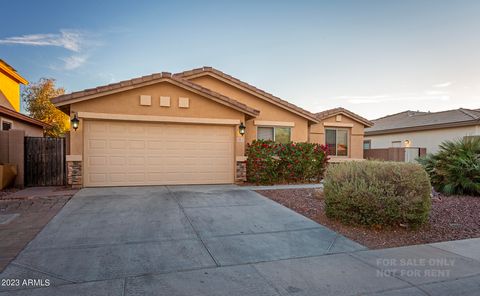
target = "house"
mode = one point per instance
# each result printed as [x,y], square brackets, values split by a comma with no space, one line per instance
[342,131]
[422,129]
[10,116]
[184,128]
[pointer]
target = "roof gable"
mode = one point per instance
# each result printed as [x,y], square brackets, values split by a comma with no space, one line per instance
[100,91]
[350,114]
[248,88]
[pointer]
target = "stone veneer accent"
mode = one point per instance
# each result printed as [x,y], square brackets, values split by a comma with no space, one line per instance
[241,174]
[74,174]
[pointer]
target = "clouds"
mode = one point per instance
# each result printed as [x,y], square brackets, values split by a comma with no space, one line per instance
[442,85]
[74,61]
[72,40]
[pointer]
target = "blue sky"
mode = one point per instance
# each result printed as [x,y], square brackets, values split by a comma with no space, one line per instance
[372,57]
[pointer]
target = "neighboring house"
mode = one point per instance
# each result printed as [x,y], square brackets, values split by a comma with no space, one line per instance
[184,129]
[422,129]
[10,117]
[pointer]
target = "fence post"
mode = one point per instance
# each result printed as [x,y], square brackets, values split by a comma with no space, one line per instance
[16,154]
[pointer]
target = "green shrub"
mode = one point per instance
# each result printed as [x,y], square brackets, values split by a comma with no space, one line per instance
[377,193]
[269,162]
[455,168]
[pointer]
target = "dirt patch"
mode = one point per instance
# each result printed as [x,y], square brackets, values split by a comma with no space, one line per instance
[25,215]
[451,218]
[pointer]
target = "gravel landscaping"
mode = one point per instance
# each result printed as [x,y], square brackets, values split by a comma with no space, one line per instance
[451,218]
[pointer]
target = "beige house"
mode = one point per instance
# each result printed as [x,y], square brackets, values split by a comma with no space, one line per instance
[184,128]
[10,117]
[422,129]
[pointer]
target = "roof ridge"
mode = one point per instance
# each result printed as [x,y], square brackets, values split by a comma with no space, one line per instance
[467,112]
[322,114]
[151,78]
[247,85]
[406,111]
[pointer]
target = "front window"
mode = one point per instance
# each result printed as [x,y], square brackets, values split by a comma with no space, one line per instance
[337,141]
[277,134]
[367,144]
[6,125]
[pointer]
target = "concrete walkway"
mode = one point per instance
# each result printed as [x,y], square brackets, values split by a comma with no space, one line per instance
[219,240]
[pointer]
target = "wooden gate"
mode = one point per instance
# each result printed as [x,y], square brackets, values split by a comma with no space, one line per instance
[45,161]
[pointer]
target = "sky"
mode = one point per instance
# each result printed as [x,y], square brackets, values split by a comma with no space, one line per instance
[371,57]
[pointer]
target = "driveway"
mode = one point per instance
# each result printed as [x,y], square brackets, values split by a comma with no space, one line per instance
[197,240]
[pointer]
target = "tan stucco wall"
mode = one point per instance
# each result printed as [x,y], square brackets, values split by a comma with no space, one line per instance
[356,132]
[424,139]
[128,102]
[268,111]
[30,130]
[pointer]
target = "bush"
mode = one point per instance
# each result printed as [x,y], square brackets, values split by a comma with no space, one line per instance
[269,162]
[377,193]
[455,168]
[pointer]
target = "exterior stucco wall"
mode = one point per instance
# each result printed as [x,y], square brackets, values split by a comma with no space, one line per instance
[10,89]
[128,102]
[424,139]
[268,111]
[30,130]
[355,132]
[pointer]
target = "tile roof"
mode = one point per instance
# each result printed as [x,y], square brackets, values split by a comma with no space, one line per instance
[417,120]
[150,79]
[19,116]
[285,104]
[335,111]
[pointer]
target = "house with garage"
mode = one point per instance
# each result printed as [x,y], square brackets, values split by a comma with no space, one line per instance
[426,130]
[187,128]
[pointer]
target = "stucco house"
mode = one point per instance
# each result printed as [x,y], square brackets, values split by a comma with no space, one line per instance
[10,116]
[422,129]
[184,128]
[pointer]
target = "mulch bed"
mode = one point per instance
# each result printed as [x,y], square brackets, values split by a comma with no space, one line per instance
[451,218]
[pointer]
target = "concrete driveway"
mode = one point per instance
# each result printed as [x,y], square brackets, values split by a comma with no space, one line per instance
[190,240]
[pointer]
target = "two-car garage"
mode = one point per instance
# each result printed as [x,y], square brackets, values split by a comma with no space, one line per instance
[124,153]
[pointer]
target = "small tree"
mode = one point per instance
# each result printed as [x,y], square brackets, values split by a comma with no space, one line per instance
[36,97]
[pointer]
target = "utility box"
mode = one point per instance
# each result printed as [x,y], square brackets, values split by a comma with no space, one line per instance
[8,173]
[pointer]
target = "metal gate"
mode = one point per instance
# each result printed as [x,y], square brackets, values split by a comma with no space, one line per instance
[45,161]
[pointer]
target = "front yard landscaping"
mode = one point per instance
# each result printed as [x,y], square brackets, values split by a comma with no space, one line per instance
[451,218]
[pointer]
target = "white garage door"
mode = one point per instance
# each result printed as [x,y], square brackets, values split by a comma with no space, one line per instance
[120,153]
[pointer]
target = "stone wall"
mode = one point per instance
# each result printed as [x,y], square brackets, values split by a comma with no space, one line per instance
[74,174]
[241,173]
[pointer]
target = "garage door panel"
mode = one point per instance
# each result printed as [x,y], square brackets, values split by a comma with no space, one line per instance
[134,153]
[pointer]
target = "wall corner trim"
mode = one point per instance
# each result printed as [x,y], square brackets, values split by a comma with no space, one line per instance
[73,157]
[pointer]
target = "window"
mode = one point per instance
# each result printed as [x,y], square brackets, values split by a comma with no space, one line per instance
[367,144]
[6,125]
[277,134]
[337,141]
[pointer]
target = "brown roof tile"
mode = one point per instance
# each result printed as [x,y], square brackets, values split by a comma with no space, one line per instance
[64,99]
[285,104]
[19,116]
[416,120]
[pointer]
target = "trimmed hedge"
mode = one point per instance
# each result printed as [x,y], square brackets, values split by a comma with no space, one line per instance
[455,168]
[377,193]
[270,163]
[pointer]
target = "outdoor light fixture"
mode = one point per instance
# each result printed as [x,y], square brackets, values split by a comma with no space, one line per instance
[241,129]
[75,121]
[407,143]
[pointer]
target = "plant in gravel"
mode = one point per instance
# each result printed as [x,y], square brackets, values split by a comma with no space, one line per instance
[455,168]
[269,162]
[377,193]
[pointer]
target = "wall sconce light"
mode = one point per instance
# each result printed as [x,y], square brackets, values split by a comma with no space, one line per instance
[75,121]
[407,143]
[241,129]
